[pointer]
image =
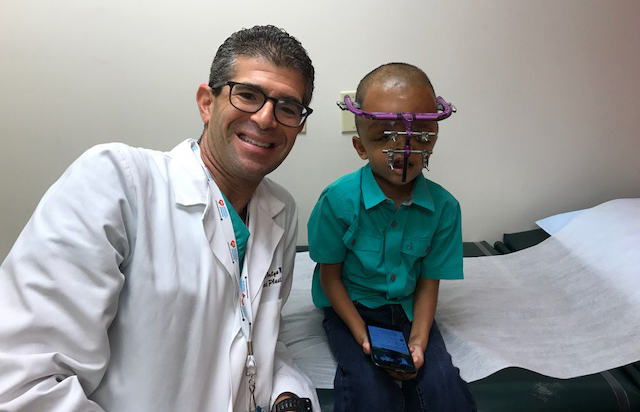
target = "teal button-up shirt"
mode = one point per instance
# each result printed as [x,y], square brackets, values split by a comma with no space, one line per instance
[384,250]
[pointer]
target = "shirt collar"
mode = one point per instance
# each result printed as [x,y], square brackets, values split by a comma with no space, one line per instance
[372,194]
[188,178]
[421,194]
[191,186]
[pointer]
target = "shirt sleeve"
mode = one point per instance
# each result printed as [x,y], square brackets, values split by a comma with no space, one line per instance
[59,288]
[327,226]
[444,260]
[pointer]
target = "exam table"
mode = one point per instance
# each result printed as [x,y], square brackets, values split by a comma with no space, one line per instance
[518,389]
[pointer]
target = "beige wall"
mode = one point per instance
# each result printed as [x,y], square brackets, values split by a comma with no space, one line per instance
[547,93]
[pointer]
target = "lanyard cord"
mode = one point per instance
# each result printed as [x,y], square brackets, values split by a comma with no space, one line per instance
[243,280]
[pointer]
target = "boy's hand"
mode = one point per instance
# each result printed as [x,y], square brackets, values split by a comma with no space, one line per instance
[363,340]
[417,353]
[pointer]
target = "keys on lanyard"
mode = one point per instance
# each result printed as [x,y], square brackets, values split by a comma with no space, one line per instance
[251,373]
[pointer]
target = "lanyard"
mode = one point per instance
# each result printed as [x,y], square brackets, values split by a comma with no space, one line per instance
[243,280]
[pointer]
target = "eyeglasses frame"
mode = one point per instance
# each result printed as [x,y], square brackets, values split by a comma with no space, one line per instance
[267,98]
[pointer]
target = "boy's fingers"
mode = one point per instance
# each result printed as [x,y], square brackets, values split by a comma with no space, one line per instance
[417,355]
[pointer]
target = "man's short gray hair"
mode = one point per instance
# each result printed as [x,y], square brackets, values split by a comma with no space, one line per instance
[267,42]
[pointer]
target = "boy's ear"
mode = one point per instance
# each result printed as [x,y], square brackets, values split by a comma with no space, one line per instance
[357,144]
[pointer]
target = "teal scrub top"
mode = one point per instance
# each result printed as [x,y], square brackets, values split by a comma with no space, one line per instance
[239,229]
[384,250]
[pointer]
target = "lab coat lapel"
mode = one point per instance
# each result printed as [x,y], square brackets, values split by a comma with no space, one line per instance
[192,188]
[187,177]
[215,236]
[264,239]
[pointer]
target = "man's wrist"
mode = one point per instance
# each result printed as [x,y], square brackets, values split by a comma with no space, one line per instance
[293,404]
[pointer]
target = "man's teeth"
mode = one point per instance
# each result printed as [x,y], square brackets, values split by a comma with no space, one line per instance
[255,143]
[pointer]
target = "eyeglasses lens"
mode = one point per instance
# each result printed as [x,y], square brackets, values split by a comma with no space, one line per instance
[251,100]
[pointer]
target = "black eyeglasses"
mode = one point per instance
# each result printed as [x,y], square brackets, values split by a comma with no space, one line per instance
[250,100]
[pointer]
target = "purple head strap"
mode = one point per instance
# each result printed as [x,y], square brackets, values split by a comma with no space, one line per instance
[445,110]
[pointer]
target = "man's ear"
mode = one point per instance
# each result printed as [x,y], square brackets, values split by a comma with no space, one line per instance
[357,144]
[204,99]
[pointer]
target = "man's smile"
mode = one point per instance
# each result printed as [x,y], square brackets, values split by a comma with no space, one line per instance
[247,139]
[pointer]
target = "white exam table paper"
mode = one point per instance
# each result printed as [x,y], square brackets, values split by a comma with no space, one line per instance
[567,307]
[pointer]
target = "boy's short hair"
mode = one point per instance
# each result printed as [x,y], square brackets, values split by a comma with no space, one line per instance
[403,72]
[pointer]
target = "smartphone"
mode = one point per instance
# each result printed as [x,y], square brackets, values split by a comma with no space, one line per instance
[389,350]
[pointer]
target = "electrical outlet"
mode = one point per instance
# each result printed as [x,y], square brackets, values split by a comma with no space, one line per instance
[347,119]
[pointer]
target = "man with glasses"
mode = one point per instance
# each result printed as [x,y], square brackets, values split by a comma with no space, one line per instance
[161,288]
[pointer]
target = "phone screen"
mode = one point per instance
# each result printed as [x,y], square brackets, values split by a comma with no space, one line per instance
[389,349]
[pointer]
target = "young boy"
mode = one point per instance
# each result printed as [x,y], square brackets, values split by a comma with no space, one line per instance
[383,238]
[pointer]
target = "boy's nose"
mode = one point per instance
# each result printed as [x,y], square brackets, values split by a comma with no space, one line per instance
[401,142]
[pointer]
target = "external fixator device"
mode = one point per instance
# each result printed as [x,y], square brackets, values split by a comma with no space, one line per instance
[444,111]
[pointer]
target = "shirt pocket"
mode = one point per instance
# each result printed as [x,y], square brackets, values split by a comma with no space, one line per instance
[413,250]
[365,248]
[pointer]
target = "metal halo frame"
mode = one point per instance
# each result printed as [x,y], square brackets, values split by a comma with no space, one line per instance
[445,110]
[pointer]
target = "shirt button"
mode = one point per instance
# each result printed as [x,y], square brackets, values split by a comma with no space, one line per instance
[392,277]
[393,224]
[353,242]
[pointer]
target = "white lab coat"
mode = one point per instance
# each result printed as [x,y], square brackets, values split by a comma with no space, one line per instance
[118,294]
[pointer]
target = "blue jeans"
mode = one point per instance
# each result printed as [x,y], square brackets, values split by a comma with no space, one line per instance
[360,385]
